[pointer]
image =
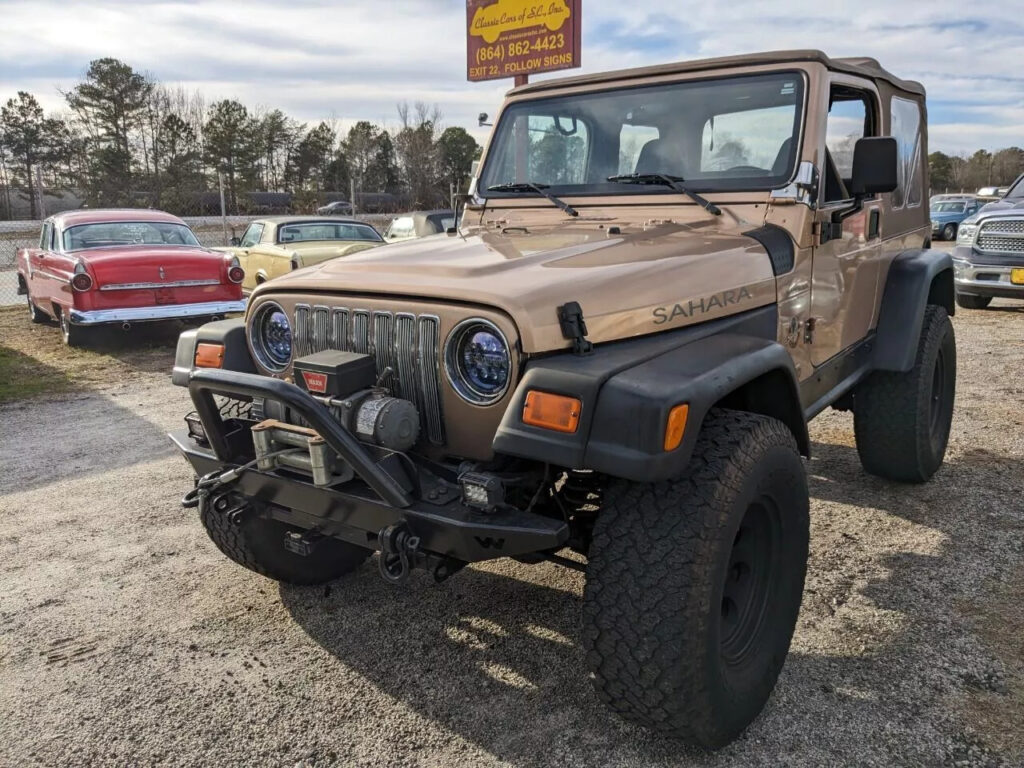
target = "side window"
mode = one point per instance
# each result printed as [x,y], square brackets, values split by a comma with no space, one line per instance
[846,121]
[632,140]
[252,235]
[45,236]
[906,129]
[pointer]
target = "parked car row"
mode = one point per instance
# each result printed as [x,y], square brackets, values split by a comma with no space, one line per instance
[127,266]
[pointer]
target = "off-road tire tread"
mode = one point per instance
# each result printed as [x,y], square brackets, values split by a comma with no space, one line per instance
[972,301]
[236,541]
[654,545]
[889,410]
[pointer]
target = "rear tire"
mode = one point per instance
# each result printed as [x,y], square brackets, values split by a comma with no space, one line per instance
[694,584]
[949,232]
[73,335]
[970,301]
[902,420]
[258,544]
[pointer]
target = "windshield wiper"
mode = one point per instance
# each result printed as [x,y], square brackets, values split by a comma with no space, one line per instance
[540,189]
[675,182]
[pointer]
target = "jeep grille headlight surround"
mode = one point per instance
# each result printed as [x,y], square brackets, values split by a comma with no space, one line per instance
[477,361]
[965,235]
[271,336]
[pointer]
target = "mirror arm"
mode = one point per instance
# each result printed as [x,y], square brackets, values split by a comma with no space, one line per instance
[838,217]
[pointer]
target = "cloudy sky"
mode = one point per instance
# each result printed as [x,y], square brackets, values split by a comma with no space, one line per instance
[355,59]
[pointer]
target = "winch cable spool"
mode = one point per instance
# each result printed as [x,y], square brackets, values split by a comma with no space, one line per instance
[211,481]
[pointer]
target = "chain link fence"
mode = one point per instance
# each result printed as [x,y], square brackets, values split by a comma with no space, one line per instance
[212,231]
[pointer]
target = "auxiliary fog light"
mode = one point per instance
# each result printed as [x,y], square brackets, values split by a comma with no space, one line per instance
[482,491]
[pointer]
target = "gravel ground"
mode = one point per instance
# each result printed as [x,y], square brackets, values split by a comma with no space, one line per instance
[126,638]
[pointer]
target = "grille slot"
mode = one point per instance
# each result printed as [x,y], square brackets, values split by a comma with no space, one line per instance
[407,343]
[1002,236]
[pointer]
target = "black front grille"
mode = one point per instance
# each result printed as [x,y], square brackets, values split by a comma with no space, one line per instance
[408,344]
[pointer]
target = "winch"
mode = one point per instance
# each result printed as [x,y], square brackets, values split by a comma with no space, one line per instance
[347,383]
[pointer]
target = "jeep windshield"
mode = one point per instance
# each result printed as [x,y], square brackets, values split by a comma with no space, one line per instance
[720,134]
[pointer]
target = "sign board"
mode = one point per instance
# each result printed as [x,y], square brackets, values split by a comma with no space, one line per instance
[509,38]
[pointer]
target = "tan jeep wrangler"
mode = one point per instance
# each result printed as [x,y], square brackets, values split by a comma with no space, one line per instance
[660,276]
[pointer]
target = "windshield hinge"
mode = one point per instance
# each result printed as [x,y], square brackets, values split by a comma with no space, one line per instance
[574,327]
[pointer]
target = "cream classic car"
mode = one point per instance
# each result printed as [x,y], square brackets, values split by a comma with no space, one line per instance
[275,246]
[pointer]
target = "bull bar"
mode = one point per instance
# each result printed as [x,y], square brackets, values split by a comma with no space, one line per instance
[360,509]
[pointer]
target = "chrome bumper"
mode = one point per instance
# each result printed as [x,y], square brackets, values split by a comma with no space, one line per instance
[986,279]
[159,312]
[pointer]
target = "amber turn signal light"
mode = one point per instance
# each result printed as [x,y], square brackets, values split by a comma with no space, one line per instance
[557,412]
[209,355]
[676,426]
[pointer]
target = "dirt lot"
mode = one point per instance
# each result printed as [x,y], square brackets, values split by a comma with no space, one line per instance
[126,638]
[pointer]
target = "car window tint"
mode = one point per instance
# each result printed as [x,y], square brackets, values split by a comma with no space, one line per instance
[252,235]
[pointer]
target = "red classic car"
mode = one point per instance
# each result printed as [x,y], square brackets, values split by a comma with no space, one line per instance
[124,266]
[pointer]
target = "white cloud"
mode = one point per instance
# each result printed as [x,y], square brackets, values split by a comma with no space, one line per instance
[357,59]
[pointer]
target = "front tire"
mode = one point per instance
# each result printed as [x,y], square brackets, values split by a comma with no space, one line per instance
[257,543]
[694,584]
[970,301]
[901,420]
[949,232]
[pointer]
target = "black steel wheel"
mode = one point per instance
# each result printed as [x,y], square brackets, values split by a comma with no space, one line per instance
[694,584]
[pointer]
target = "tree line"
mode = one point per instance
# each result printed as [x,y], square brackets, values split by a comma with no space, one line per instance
[969,173]
[126,139]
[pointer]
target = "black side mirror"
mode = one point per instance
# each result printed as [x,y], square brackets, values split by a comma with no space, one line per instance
[235,241]
[874,166]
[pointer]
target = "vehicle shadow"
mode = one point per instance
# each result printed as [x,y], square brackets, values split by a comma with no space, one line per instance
[494,656]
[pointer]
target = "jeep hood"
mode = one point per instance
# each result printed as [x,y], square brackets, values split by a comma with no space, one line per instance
[639,281]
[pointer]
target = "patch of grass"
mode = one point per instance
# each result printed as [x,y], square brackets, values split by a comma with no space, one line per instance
[22,376]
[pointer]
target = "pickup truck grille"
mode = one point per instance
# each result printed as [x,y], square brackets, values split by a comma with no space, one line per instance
[1002,236]
[408,343]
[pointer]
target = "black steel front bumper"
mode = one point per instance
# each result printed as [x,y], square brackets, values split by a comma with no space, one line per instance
[360,509]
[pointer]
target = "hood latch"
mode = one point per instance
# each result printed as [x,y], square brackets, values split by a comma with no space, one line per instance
[574,327]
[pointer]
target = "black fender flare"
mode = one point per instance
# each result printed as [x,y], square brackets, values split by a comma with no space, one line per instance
[624,413]
[916,279]
[731,370]
[230,333]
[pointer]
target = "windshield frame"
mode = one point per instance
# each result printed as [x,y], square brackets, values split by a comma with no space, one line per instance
[611,189]
[66,230]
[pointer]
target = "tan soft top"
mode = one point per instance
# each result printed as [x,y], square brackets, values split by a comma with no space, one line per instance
[861,65]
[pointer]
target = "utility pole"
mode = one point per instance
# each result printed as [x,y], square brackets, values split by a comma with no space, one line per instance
[352,193]
[39,191]
[223,208]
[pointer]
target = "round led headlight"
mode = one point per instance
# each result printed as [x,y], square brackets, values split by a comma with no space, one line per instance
[271,336]
[478,361]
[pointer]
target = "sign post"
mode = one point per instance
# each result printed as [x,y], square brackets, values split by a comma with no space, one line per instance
[518,38]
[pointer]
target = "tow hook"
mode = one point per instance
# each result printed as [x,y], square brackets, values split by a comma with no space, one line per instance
[397,546]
